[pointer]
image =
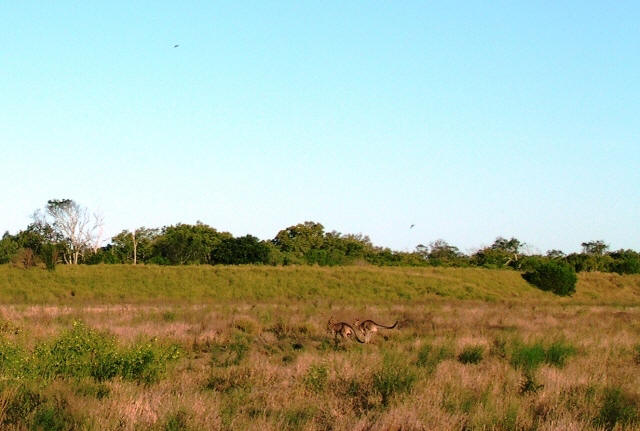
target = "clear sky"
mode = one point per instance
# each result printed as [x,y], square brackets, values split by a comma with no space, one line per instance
[468,119]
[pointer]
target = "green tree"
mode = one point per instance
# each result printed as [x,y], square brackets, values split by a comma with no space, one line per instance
[597,248]
[71,225]
[441,253]
[187,244]
[8,248]
[132,247]
[554,276]
[243,250]
[597,259]
[503,252]
[625,262]
[300,239]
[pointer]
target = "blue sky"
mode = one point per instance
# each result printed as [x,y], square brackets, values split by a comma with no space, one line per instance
[468,119]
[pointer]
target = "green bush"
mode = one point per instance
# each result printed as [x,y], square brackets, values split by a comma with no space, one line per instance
[558,352]
[430,356]
[617,407]
[529,357]
[553,276]
[225,355]
[177,421]
[84,352]
[626,262]
[394,377]
[54,416]
[225,380]
[19,402]
[316,378]
[471,355]
[49,253]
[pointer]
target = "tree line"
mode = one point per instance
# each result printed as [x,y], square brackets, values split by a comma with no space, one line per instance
[65,233]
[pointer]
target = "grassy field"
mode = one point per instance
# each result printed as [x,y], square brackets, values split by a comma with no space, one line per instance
[191,348]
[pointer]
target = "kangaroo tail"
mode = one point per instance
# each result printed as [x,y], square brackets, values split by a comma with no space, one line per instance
[390,327]
[357,338]
[355,334]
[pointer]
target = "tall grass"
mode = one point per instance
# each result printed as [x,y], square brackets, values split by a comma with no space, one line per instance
[78,284]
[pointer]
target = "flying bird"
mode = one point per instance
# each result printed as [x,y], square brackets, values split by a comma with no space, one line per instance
[411,227]
[175,46]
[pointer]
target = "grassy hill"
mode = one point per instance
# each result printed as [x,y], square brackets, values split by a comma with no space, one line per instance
[356,284]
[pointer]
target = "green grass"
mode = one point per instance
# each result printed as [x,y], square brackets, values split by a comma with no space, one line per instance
[357,284]
[471,355]
[529,357]
[81,352]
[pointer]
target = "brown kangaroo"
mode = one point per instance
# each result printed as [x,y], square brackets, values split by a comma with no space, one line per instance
[343,329]
[369,327]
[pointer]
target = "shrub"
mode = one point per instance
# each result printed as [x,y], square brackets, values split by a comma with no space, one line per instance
[553,276]
[626,262]
[617,407]
[91,389]
[316,378]
[24,258]
[394,377]
[558,352]
[224,380]
[430,356]
[49,254]
[54,416]
[529,384]
[296,418]
[177,421]
[233,353]
[18,403]
[530,356]
[471,355]
[83,352]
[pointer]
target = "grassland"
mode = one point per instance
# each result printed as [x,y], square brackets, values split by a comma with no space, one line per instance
[191,348]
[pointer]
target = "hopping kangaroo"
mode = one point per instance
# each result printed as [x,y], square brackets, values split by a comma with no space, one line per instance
[343,329]
[369,327]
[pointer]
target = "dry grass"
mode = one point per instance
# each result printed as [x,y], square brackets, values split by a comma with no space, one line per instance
[268,364]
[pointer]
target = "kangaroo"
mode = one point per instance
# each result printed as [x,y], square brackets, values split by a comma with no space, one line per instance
[343,329]
[369,327]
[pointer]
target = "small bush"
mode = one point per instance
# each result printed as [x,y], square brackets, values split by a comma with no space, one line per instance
[553,276]
[224,380]
[54,416]
[83,352]
[617,407]
[177,421]
[430,356]
[296,418]
[471,355]
[169,316]
[393,378]
[18,403]
[558,352]
[528,357]
[49,253]
[225,355]
[24,258]
[316,378]
[529,384]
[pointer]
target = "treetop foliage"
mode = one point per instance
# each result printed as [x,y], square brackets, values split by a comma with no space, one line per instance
[67,234]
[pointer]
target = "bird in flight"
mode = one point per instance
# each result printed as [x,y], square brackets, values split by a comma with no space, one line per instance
[175,46]
[411,227]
